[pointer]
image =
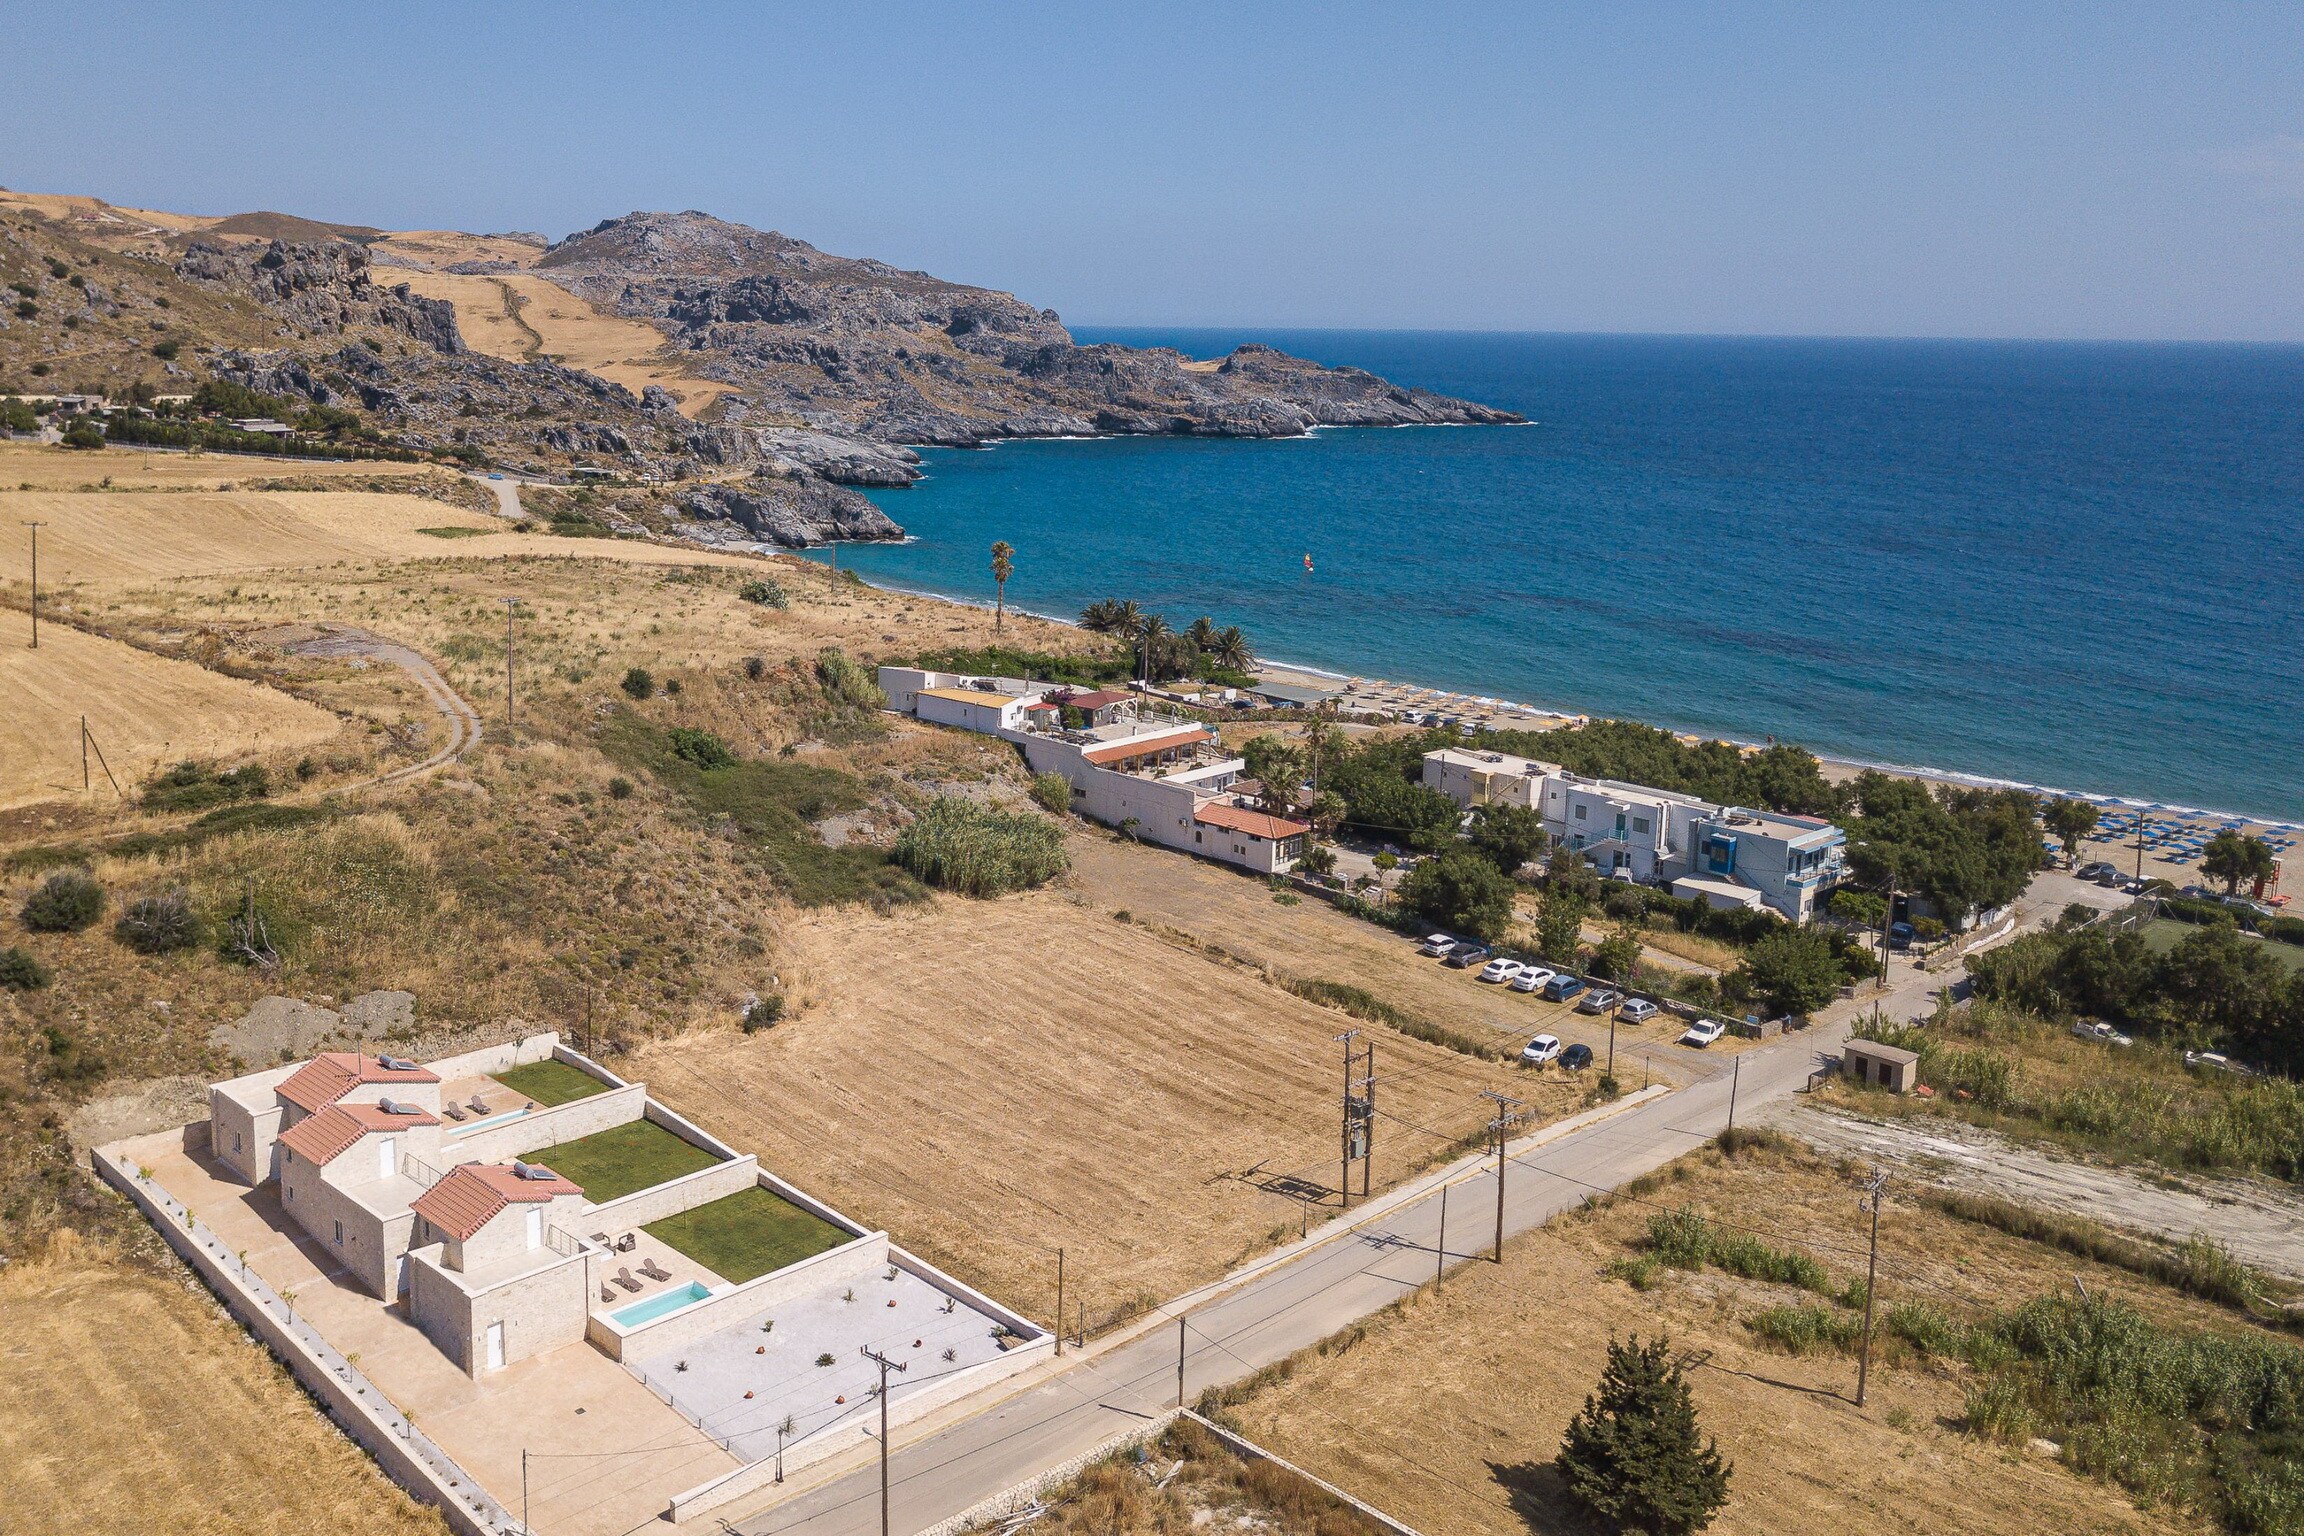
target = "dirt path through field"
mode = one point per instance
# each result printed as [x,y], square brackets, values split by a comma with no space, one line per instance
[2260,1222]
[335,641]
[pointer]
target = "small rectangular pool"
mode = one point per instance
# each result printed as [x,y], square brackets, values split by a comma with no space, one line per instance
[659,1305]
[481,1125]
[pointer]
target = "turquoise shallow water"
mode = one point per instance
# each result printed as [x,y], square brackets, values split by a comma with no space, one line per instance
[2074,565]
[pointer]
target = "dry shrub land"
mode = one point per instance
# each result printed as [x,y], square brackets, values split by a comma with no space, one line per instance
[1448,1409]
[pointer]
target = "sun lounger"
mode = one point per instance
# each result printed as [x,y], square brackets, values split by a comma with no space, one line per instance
[607,1294]
[476,1104]
[654,1271]
[623,1277]
[451,1111]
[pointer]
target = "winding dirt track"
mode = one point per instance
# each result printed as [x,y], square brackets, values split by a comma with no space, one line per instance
[337,642]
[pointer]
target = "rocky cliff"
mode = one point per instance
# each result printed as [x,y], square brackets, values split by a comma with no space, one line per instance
[850,349]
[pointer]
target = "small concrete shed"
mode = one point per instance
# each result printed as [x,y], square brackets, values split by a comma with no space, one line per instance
[1867,1061]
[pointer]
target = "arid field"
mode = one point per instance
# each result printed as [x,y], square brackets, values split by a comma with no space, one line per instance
[144,711]
[131,1403]
[993,1080]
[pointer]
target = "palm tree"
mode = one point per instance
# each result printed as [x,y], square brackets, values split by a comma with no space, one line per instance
[1230,649]
[1202,633]
[1101,617]
[1152,631]
[1127,617]
[1003,567]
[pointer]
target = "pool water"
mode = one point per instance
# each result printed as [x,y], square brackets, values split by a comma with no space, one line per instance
[481,1125]
[659,1305]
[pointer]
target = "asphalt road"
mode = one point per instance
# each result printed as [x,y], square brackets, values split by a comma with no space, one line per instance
[1324,1290]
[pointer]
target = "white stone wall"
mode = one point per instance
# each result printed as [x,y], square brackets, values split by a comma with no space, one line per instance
[369,1249]
[541,1308]
[497,1058]
[530,1135]
[501,1244]
[243,1139]
[685,1193]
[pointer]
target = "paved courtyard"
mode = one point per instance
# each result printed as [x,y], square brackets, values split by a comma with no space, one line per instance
[745,1380]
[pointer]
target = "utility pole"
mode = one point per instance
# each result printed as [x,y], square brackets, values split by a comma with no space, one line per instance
[886,1365]
[1059,1303]
[1611,1045]
[1179,1360]
[1887,921]
[510,722]
[1440,1255]
[525,1528]
[1368,1122]
[1507,1116]
[1344,1158]
[1872,1194]
[35,525]
[1735,1080]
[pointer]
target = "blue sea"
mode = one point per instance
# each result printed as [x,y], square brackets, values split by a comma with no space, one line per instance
[2070,565]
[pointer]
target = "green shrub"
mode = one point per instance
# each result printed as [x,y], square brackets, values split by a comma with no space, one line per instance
[847,683]
[68,1061]
[1808,1329]
[962,846]
[766,593]
[1363,1004]
[1684,1239]
[158,923]
[66,902]
[764,1012]
[1925,1328]
[702,748]
[196,786]
[1053,791]
[20,971]
[639,683]
[619,788]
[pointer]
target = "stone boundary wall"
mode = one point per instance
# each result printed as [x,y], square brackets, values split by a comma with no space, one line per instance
[569,1055]
[687,1130]
[1015,1322]
[491,1059]
[407,1455]
[724,1308]
[1248,1450]
[547,1128]
[671,1197]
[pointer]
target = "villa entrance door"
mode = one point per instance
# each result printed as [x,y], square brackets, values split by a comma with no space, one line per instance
[495,1346]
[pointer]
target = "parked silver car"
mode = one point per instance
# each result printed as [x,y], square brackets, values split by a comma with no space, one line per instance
[1636,1010]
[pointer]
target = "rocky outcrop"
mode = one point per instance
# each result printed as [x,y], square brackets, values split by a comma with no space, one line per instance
[323,289]
[792,510]
[860,349]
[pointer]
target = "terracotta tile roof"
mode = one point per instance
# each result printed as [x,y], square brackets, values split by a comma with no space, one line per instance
[1145,746]
[330,1075]
[468,1197]
[1240,819]
[322,1138]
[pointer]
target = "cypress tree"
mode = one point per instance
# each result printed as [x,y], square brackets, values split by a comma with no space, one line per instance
[1632,1456]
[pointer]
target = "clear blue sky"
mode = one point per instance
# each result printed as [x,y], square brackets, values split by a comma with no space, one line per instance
[1995,169]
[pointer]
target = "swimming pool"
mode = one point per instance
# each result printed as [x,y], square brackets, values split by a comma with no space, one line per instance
[659,1305]
[480,1125]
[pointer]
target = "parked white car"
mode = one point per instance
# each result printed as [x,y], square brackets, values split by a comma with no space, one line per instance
[1436,945]
[2098,1030]
[1531,978]
[1704,1032]
[1636,1010]
[1541,1051]
[1501,970]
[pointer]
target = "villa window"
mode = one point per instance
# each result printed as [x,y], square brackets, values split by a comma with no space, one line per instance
[1580,813]
[235,1141]
[339,1234]
[1639,823]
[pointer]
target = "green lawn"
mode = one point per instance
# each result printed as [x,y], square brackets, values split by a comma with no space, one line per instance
[751,1233]
[2163,934]
[613,1163]
[552,1082]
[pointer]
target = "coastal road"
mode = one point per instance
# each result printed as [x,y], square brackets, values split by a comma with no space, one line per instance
[1292,1302]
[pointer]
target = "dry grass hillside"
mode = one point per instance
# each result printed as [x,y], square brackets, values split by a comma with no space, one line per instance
[1448,1409]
